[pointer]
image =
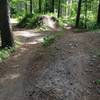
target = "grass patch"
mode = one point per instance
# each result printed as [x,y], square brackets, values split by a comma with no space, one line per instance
[50,39]
[5,53]
[97,52]
[29,21]
[63,21]
[97,82]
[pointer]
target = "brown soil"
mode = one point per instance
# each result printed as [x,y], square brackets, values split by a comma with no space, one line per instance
[66,70]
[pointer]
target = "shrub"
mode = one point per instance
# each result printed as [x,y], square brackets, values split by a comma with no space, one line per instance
[5,53]
[48,40]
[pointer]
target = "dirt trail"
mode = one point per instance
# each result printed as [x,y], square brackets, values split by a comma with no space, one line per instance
[12,71]
[66,70]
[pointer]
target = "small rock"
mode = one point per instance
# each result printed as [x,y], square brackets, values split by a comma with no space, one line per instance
[69,52]
[94,56]
[90,86]
[90,70]
[70,44]
[82,73]
[69,73]
[88,92]
[57,48]
[93,82]
[86,70]
[75,45]
[93,59]
[72,47]
[71,83]
[91,64]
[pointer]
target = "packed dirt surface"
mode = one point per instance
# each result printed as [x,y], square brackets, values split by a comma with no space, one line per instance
[66,70]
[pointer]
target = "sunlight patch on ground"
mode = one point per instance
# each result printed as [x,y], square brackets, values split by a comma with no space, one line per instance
[16,56]
[9,77]
[40,39]
[23,49]
[36,41]
[26,34]
[28,37]
[15,66]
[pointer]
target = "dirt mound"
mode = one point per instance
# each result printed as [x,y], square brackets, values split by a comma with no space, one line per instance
[49,21]
[33,21]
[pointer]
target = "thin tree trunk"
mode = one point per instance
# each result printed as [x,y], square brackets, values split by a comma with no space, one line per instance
[26,12]
[85,13]
[45,8]
[40,6]
[69,2]
[59,8]
[31,7]
[78,13]
[52,6]
[5,29]
[98,16]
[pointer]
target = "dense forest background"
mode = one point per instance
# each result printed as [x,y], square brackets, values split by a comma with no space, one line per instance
[87,11]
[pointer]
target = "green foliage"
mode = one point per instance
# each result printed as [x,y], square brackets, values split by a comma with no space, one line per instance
[89,22]
[66,21]
[34,21]
[97,82]
[68,12]
[29,21]
[88,17]
[48,40]
[97,52]
[5,53]
[17,8]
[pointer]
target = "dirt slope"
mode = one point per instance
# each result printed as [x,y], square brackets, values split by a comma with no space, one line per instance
[66,70]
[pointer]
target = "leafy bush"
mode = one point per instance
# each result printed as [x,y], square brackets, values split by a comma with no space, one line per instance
[89,22]
[36,21]
[97,82]
[48,40]
[29,21]
[66,21]
[5,53]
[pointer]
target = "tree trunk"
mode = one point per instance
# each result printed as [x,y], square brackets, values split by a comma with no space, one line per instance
[40,6]
[69,2]
[26,9]
[98,16]
[5,29]
[86,13]
[59,4]
[52,6]
[31,7]
[78,13]
[46,8]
